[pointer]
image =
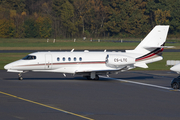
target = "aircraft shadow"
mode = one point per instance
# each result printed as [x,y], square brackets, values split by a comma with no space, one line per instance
[138,77]
[61,79]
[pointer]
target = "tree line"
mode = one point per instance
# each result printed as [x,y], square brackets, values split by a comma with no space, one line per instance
[86,18]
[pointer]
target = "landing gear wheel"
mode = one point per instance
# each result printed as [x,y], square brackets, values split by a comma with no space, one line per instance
[20,76]
[96,78]
[175,86]
[88,77]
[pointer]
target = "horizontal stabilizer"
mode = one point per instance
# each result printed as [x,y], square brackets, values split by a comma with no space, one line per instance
[141,65]
[147,47]
[168,46]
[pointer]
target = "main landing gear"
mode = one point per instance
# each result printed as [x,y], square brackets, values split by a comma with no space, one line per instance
[93,76]
[20,76]
[96,78]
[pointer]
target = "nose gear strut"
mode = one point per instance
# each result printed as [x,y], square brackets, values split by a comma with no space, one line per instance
[20,76]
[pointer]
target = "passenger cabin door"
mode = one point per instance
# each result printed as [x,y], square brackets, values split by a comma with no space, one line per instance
[48,61]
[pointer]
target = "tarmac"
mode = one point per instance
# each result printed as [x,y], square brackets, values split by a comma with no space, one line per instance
[136,95]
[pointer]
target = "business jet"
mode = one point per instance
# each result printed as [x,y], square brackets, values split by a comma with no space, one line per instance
[93,64]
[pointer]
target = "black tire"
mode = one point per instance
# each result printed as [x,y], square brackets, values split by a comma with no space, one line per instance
[175,85]
[88,77]
[20,78]
[96,78]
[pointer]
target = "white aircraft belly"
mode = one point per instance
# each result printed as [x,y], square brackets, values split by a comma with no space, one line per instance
[75,68]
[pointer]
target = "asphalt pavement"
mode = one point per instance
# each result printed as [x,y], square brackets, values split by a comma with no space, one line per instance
[136,95]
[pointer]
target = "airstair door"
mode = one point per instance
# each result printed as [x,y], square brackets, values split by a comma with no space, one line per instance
[48,61]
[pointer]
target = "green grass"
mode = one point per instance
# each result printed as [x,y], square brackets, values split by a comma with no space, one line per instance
[41,44]
[6,58]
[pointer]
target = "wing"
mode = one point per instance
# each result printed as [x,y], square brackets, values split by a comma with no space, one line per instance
[101,72]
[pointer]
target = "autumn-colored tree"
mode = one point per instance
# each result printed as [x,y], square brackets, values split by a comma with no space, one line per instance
[7,28]
[175,17]
[161,17]
[43,25]
[158,11]
[46,8]
[56,12]
[67,17]
[18,5]
[136,20]
[81,8]
[126,17]
[63,17]
[96,16]
[77,18]
[18,22]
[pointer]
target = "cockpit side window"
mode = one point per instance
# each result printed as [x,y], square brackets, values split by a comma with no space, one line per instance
[29,57]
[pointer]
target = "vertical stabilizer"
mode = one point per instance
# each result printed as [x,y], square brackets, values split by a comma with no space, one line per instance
[156,38]
[151,47]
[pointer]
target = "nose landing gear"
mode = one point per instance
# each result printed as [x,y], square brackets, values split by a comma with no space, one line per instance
[20,76]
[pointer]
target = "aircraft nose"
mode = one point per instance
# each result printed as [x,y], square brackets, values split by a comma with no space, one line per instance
[7,67]
[175,68]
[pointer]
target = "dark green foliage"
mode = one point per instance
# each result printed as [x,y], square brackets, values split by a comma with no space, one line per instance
[30,28]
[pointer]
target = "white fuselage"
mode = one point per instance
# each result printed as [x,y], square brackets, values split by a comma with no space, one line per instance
[76,62]
[64,62]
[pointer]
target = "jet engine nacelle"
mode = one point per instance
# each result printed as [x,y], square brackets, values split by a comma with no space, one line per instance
[117,61]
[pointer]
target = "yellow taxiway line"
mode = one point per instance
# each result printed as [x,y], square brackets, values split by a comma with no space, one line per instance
[58,109]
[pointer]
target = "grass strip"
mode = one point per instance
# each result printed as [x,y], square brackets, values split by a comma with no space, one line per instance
[42,44]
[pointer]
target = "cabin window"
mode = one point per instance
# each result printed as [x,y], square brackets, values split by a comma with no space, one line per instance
[58,59]
[74,58]
[69,59]
[64,58]
[29,57]
[80,59]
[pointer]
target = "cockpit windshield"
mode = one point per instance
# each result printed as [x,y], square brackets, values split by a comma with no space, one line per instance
[29,57]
